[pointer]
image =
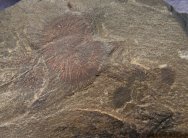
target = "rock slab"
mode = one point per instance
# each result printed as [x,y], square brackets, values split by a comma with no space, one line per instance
[84,68]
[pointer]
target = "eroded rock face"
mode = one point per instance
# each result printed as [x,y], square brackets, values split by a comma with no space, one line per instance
[6,3]
[180,10]
[84,68]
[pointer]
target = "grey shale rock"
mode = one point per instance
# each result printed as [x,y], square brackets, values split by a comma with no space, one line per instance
[7,3]
[92,68]
[180,9]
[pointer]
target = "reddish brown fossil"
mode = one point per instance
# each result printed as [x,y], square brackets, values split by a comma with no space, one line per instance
[69,50]
[68,26]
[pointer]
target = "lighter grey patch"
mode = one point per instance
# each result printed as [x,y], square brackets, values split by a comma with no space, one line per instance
[183,54]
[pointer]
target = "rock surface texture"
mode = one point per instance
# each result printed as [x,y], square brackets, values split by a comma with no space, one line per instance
[92,69]
[180,9]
